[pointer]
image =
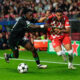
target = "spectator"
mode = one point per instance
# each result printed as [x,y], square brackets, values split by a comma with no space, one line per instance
[3,42]
[43,36]
[37,35]
[11,9]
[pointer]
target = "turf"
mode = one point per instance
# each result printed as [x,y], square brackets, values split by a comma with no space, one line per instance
[8,71]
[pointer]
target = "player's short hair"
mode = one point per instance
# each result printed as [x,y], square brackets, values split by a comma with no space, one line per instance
[59,10]
[26,11]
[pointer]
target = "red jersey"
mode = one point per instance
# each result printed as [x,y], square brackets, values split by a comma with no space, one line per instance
[62,24]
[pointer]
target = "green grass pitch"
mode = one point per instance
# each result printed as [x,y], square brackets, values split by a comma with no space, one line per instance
[55,71]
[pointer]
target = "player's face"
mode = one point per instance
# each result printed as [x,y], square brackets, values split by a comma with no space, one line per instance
[29,15]
[59,15]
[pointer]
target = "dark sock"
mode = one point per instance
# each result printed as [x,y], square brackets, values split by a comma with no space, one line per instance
[37,60]
[35,55]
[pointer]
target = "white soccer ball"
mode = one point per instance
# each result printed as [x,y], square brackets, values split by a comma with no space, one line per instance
[22,68]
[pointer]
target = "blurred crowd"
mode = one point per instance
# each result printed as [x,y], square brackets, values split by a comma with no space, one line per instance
[12,9]
[4,40]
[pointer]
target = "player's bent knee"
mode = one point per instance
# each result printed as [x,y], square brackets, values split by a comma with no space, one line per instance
[31,48]
[59,53]
[70,52]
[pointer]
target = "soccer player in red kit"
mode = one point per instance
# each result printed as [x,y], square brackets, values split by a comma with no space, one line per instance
[59,34]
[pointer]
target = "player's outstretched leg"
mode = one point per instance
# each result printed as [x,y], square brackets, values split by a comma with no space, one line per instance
[35,55]
[70,56]
[31,48]
[15,54]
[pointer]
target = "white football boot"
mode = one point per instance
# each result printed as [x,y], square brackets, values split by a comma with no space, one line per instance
[70,66]
[42,66]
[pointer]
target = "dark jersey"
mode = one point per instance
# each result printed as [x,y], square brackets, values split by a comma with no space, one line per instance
[20,27]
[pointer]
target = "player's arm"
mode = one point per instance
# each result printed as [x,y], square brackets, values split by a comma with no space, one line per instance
[47,25]
[34,26]
[66,30]
[42,19]
[40,26]
[46,18]
[67,26]
[37,21]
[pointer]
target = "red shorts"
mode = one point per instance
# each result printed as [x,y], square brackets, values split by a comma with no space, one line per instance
[58,41]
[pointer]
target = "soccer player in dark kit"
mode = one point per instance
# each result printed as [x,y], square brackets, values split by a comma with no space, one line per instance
[17,37]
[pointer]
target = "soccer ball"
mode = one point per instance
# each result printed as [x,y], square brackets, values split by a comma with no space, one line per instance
[22,68]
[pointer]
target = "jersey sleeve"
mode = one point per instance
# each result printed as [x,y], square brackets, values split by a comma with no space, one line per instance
[25,24]
[67,24]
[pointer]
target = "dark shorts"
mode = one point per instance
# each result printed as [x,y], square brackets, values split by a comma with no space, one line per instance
[14,44]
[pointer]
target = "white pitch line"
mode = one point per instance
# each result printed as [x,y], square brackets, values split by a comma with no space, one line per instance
[40,61]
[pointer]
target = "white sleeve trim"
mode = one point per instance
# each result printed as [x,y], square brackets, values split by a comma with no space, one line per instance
[41,26]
